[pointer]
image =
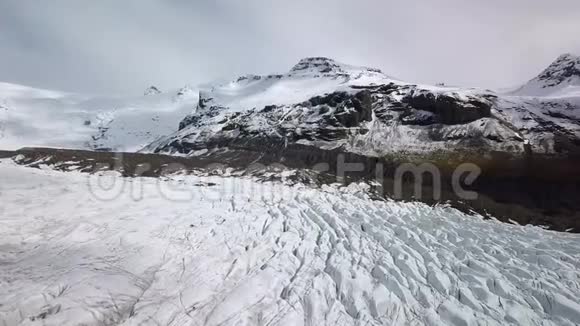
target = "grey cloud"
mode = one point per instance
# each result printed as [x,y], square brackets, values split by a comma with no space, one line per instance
[112,46]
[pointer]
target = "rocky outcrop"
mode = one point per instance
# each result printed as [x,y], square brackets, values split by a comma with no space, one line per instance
[151,90]
[451,110]
[349,109]
[319,64]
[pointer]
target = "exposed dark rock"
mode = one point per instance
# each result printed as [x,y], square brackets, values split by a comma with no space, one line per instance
[418,118]
[561,115]
[189,120]
[320,64]
[449,109]
[268,108]
[152,90]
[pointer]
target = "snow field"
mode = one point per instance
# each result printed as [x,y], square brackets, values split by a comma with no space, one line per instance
[33,117]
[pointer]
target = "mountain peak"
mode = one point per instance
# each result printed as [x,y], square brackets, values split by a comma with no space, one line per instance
[561,74]
[330,67]
[568,56]
[318,64]
[565,68]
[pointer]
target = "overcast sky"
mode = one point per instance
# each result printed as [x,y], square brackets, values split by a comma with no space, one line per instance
[122,46]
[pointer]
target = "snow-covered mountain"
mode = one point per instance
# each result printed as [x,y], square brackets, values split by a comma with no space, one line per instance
[325,104]
[34,117]
[320,103]
[561,78]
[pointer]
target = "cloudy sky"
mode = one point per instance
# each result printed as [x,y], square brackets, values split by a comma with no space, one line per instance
[122,46]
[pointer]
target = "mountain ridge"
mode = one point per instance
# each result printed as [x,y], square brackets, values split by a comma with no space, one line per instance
[330,105]
[319,102]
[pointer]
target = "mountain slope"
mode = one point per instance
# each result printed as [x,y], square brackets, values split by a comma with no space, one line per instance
[33,117]
[329,105]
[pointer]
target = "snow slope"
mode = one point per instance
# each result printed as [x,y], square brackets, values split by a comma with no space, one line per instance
[232,251]
[34,117]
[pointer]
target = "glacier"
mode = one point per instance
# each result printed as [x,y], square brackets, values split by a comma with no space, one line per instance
[101,249]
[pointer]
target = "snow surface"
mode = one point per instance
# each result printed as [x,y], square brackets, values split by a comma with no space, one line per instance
[234,251]
[34,117]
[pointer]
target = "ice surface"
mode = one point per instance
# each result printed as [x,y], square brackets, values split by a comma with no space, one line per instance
[234,251]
